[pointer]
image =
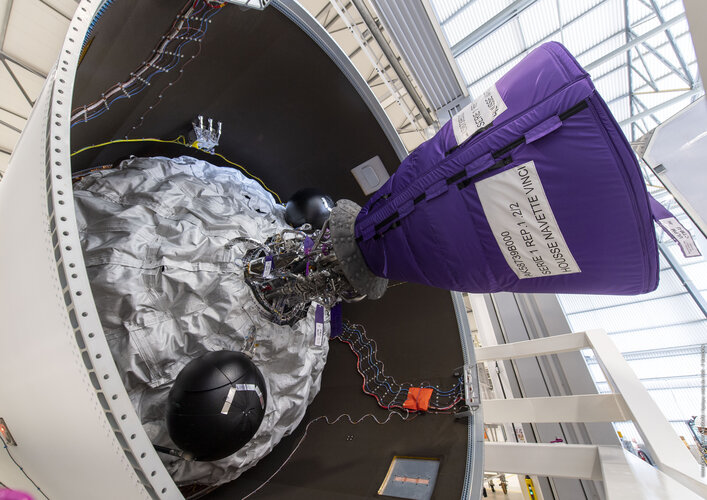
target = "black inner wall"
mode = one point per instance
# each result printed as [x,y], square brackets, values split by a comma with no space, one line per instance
[416,332]
[289,115]
[294,120]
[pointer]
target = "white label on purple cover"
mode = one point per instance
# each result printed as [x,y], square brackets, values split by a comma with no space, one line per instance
[267,268]
[524,225]
[681,236]
[318,334]
[478,114]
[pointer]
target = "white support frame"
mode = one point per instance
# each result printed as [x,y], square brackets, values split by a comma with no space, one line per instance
[583,408]
[630,401]
[624,475]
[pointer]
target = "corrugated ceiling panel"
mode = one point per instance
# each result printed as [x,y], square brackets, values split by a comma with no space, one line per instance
[697,271]
[571,10]
[473,16]
[662,337]
[656,69]
[638,11]
[4,160]
[12,119]
[642,315]
[620,108]
[597,25]
[10,96]
[538,21]
[31,83]
[8,138]
[480,87]
[660,42]
[688,381]
[446,8]
[554,37]
[684,43]
[601,49]
[673,86]
[667,367]
[676,403]
[575,304]
[614,84]
[615,63]
[671,8]
[502,45]
[647,24]
[590,29]
[66,7]
[422,50]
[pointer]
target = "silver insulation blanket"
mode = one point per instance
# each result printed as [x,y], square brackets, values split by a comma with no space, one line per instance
[168,287]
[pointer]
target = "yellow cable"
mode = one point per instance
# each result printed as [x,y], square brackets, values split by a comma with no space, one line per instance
[248,173]
[182,142]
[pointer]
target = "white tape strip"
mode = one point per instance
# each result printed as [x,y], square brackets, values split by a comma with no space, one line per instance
[229,400]
[524,225]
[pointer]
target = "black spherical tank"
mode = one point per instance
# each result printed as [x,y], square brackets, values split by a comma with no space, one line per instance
[308,205]
[216,405]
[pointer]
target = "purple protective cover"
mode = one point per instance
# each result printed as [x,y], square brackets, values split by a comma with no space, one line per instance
[337,321]
[427,223]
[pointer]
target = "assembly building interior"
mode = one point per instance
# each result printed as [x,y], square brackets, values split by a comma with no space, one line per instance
[350,249]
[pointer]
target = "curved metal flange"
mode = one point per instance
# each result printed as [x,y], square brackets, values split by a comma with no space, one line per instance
[341,224]
[141,463]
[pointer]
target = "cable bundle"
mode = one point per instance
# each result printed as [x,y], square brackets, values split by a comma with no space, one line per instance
[388,392]
[165,57]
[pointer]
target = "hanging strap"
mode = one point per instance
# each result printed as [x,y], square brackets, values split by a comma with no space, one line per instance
[672,226]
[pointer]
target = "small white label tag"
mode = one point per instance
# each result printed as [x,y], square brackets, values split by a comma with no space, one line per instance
[267,268]
[229,400]
[478,114]
[318,334]
[523,224]
[681,236]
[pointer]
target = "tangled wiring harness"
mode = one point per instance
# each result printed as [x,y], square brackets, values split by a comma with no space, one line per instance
[388,392]
[293,268]
[188,28]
